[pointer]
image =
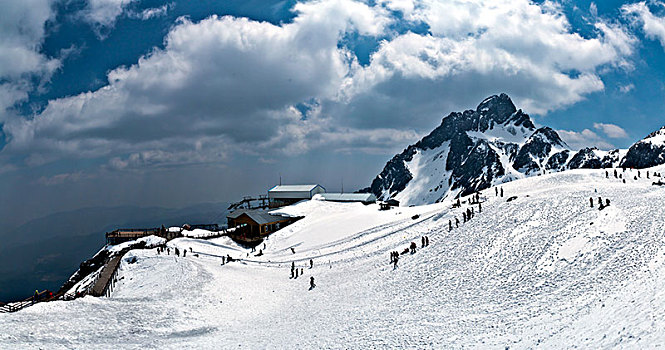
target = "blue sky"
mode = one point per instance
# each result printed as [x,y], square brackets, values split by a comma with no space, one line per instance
[111,102]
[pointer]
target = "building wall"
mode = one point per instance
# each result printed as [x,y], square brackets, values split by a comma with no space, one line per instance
[317,190]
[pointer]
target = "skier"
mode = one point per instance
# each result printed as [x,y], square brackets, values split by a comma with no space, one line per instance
[311,263]
[450,225]
[600,201]
[456,223]
[422,240]
[607,202]
[395,261]
[223,260]
[184,253]
[501,191]
[311,283]
[464,216]
[496,191]
[413,247]
[426,241]
[607,175]
[615,173]
[293,250]
[296,273]
[591,201]
[480,207]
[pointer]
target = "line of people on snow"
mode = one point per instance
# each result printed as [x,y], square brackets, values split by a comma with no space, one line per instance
[411,249]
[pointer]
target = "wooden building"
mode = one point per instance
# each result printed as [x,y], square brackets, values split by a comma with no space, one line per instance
[283,195]
[129,234]
[386,205]
[250,225]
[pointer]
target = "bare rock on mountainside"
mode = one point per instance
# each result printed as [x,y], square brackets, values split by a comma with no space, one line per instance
[495,143]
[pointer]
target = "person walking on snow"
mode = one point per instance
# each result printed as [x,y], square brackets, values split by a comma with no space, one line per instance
[450,225]
[591,201]
[456,223]
[311,263]
[311,283]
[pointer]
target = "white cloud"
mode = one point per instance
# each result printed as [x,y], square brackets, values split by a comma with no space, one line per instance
[102,14]
[22,32]
[593,9]
[652,25]
[519,47]
[152,12]
[627,88]
[224,80]
[226,85]
[584,138]
[611,130]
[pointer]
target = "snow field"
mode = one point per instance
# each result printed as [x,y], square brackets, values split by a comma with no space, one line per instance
[542,271]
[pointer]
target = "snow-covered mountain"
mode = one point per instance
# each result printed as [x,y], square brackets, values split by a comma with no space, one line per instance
[543,271]
[647,152]
[495,143]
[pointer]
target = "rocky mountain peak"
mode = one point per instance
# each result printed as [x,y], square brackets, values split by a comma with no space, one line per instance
[497,108]
[647,152]
[655,134]
[495,143]
[547,135]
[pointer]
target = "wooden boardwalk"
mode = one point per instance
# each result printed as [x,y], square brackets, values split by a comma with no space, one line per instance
[106,277]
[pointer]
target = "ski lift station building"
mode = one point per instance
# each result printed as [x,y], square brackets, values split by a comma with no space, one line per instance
[282,195]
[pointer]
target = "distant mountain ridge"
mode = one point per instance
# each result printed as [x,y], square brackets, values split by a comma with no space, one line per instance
[495,143]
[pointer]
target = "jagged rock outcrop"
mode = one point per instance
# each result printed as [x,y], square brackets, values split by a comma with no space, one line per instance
[647,152]
[586,158]
[537,149]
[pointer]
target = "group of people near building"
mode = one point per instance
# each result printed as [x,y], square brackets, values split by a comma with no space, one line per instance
[176,251]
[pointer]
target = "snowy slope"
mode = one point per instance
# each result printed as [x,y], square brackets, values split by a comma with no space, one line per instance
[542,271]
